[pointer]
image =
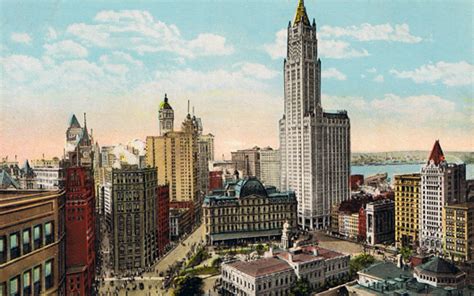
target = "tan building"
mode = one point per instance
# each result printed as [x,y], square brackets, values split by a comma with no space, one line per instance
[407,200]
[248,211]
[349,224]
[458,231]
[32,243]
[247,161]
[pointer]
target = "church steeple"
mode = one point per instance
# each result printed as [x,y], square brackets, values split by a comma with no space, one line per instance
[300,15]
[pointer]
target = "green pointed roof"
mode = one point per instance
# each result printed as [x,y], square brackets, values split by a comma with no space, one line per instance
[74,122]
[301,14]
[165,104]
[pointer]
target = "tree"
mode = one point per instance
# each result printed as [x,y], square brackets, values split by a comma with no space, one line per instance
[406,253]
[360,262]
[260,249]
[189,286]
[302,287]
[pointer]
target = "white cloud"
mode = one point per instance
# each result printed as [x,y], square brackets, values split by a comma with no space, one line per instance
[257,70]
[331,48]
[21,38]
[333,73]
[450,74]
[66,49]
[138,31]
[379,78]
[372,70]
[337,49]
[369,32]
[20,68]
[51,35]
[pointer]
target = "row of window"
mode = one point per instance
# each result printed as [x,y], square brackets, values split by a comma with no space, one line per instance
[30,281]
[20,243]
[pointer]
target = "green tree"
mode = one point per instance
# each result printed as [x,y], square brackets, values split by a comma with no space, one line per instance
[260,249]
[189,286]
[406,253]
[360,262]
[302,287]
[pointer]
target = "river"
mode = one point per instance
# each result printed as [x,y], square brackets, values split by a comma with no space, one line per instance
[396,169]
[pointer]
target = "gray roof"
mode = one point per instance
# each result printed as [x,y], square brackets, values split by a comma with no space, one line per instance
[439,265]
[6,180]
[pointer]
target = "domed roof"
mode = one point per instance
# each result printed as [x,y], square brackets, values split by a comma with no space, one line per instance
[165,104]
[439,265]
[251,186]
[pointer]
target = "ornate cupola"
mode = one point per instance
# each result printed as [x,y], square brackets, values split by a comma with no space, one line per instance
[166,117]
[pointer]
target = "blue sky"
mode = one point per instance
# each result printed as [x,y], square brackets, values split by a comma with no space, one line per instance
[402,69]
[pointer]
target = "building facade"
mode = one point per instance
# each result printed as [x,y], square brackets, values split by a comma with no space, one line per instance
[163,220]
[270,167]
[314,145]
[247,161]
[49,174]
[133,218]
[278,271]
[79,150]
[205,152]
[380,222]
[458,231]
[32,243]
[441,183]
[248,211]
[80,231]
[407,201]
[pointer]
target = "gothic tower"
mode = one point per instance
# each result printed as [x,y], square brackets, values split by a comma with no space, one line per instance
[314,145]
[166,117]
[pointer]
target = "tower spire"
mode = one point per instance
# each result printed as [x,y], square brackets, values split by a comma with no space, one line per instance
[301,15]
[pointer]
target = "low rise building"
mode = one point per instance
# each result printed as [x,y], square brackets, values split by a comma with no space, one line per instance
[380,216]
[247,210]
[48,172]
[275,274]
[32,243]
[458,231]
[180,221]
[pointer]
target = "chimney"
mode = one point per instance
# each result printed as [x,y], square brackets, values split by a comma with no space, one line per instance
[315,252]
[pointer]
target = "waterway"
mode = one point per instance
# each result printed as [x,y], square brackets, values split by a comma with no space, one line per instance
[396,169]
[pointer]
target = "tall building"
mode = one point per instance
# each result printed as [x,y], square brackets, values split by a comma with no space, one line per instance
[441,183]
[79,148]
[32,243]
[134,223]
[175,156]
[248,211]
[407,201]
[314,144]
[247,161]
[162,219]
[458,231]
[205,155]
[80,231]
[165,117]
[270,167]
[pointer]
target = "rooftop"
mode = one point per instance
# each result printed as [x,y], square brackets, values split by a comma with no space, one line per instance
[385,271]
[9,198]
[261,267]
[439,265]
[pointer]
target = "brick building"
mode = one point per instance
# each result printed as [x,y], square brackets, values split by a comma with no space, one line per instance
[80,231]
[162,219]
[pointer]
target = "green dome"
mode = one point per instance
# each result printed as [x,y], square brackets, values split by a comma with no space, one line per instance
[165,104]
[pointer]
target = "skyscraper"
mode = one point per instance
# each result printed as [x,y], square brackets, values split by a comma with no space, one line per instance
[441,183]
[314,144]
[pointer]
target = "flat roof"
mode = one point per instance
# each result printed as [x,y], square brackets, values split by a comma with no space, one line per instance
[11,197]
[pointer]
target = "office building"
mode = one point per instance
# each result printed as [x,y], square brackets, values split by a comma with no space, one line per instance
[247,161]
[48,173]
[380,223]
[458,231]
[314,144]
[407,201]
[270,167]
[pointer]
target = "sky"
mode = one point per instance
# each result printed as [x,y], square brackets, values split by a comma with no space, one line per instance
[402,69]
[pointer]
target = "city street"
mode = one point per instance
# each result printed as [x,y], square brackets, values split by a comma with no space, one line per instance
[151,281]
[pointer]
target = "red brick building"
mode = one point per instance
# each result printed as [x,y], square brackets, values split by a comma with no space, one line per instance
[162,217]
[215,180]
[356,181]
[80,231]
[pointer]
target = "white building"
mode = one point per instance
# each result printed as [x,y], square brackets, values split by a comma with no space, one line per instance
[275,274]
[441,183]
[48,173]
[270,167]
[314,145]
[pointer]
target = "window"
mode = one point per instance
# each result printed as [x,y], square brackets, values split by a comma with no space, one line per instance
[38,237]
[37,279]
[48,232]
[27,283]
[15,286]
[14,247]
[3,252]
[3,289]
[26,241]
[48,274]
